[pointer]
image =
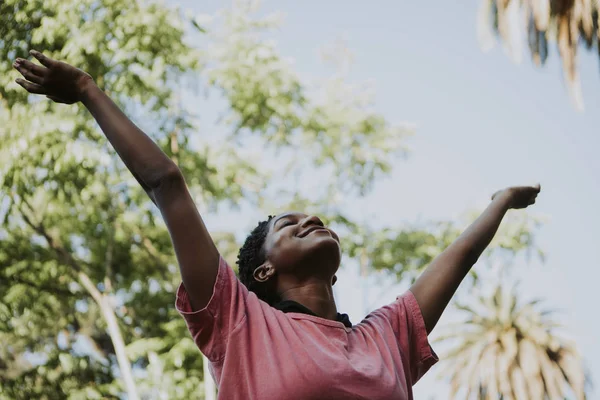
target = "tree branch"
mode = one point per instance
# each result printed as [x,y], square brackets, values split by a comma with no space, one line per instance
[66,257]
[87,283]
[152,251]
[109,257]
[103,301]
[42,287]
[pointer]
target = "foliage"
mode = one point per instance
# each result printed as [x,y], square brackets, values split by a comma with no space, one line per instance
[80,241]
[569,23]
[511,349]
[71,212]
[406,253]
[333,125]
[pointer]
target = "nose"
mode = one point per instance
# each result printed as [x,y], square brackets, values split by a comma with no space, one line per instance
[311,220]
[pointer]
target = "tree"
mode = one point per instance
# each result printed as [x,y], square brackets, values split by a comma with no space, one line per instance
[86,265]
[566,22]
[77,233]
[510,350]
[87,273]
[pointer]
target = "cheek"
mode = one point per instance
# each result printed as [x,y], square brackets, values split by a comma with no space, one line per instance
[336,237]
[282,247]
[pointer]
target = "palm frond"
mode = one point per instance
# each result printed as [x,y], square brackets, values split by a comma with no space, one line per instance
[510,350]
[567,22]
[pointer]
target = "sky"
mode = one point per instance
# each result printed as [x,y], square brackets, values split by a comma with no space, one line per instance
[482,124]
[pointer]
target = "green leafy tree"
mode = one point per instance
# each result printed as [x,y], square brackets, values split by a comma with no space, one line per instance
[80,242]
[568,23]
[87,273]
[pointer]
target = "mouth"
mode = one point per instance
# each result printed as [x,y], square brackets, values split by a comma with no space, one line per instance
[311,230]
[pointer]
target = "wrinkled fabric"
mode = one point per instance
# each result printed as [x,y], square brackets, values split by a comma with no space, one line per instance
[259,352]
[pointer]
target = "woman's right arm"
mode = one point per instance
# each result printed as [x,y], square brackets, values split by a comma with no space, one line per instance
[196,252]
[197,255]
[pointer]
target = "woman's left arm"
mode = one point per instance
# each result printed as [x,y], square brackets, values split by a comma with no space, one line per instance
[438,283]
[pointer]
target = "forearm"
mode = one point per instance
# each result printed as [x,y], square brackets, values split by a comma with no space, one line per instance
[196,252]
[146,161]
[476,238]
[438,283]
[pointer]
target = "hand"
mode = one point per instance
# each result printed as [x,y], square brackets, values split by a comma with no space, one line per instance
[519,196]
[59,81]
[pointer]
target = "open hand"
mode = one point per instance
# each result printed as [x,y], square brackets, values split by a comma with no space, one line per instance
[519,196]
[59,81]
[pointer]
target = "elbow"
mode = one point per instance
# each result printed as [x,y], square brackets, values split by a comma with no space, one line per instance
[171,174]
[467,250]
[169,179]
[464,254]
[472,256]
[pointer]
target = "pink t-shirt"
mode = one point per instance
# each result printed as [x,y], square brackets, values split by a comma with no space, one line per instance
[259,352]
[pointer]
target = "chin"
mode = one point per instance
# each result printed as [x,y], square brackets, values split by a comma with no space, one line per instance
[327,250]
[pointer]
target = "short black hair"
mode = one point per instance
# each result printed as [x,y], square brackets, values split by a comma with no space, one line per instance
[252,256]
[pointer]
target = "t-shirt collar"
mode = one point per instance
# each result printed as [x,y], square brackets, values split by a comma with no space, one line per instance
[293,306]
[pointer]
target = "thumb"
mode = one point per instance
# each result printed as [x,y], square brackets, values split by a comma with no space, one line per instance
[538,187]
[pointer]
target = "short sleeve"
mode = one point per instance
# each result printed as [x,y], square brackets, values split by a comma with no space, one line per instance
[211,327]
[408,325]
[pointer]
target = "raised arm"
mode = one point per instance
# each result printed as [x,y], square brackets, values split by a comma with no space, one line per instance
[196,253]
[438,283]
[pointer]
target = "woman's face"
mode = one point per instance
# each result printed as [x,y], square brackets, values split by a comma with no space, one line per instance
[300,245]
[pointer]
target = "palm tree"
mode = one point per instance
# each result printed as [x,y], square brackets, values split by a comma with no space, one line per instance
[567,22]
[504,350]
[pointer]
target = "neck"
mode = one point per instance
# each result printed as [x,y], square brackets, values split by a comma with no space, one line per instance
[316,296]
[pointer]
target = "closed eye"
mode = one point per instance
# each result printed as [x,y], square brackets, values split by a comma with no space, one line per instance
[285,223]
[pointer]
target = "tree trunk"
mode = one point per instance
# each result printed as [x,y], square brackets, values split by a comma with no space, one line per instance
[102,300]
[210,392]
[364,283]
[115,334]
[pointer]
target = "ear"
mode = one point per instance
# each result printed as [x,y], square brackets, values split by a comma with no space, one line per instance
[334,280]
[264,272]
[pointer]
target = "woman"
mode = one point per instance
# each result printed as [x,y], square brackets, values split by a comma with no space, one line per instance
[277,334]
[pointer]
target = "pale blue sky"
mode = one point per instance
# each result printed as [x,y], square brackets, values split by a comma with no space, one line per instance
[483,123]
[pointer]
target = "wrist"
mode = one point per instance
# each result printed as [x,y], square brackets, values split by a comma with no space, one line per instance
[504,199]
[84,84]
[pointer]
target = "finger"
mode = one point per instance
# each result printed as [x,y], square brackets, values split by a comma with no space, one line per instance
[532,199]
[29,74]
[34,68]
[31,87]
[538,187]
[46,61]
